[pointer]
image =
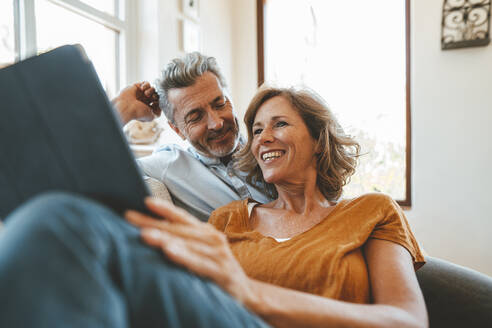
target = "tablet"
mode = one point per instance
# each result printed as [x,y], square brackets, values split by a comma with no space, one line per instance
[59,131]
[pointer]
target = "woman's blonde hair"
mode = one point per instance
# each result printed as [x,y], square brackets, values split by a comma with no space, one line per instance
[338,152]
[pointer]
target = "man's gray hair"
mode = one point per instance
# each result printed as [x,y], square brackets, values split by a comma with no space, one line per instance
[181,73]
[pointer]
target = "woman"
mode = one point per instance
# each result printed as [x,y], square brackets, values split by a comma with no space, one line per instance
[307,259]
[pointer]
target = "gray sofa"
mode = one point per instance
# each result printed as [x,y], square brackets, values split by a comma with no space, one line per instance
[455,296]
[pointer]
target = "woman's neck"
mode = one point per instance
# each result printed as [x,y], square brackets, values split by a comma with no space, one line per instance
[301,197]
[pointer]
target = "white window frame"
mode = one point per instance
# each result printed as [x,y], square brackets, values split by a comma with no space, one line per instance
[122,22]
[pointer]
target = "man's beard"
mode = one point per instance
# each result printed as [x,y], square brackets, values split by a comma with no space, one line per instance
[208,149]
[227,149]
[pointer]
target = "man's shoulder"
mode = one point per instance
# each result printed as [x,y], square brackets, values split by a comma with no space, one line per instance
[159,161]
[166,153]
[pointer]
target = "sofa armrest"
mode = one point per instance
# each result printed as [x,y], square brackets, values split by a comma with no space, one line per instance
[158,189]
[455,296]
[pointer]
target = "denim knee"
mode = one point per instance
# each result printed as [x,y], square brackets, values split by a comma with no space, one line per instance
[67,216]
[54,205]
[51,200]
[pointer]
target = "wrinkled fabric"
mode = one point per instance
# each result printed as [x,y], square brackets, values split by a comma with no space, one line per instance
[326,260]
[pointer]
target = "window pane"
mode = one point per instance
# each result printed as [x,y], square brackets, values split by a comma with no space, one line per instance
[353,54]
[106,6]
[7,43]
[57,26]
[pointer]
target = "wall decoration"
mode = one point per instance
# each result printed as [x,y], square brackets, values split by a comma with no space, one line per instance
[465,23]
[190,8]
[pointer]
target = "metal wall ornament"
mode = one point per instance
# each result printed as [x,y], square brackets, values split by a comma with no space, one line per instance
[465,23]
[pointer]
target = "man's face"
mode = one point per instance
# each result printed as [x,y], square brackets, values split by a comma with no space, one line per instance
[203,115]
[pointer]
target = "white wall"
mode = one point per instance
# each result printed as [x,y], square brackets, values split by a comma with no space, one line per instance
[159,34]
[451,114]
[452,154]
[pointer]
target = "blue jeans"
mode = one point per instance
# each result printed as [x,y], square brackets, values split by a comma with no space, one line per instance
[66,261]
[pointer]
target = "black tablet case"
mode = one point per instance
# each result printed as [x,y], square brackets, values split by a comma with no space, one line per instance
[58,131]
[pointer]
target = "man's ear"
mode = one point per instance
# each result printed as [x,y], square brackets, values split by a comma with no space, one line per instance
[176,129]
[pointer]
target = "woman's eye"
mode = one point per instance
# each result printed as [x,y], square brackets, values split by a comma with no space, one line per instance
[280,123]
[257,131]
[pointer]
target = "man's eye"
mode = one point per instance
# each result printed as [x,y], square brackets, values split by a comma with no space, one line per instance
[195,117]
[257,131]
[221,104]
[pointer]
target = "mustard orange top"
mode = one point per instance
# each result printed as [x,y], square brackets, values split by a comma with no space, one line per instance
[326,260]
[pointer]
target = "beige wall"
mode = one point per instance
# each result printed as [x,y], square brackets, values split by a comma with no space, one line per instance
[159,29]
[451,118]
[245,77]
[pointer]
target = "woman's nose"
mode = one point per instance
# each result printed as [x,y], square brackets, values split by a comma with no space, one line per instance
[266,136]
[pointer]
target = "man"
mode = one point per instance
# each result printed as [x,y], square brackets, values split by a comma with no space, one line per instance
[198,108]
[68,261]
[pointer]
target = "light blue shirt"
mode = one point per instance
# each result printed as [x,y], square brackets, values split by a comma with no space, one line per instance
[197,183]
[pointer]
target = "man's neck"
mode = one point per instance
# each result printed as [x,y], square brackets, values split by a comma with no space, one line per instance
[226,159]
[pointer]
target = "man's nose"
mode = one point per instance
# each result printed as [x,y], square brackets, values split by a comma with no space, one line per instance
[214,120]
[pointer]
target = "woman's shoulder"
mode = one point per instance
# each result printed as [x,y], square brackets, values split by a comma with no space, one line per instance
[370,201]
[234,206]
[229,214]
[376,197]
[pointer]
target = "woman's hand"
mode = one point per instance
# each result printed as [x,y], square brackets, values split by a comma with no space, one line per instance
[196,245]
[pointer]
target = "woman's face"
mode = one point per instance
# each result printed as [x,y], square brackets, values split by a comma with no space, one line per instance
[282,144]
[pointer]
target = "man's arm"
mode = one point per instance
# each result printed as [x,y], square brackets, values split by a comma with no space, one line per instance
[138,101]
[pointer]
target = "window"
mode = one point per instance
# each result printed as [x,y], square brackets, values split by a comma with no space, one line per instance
[7,44]
[355,54]
[100,26]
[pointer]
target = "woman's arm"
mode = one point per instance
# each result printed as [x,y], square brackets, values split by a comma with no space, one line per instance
[398,301]
[204,250]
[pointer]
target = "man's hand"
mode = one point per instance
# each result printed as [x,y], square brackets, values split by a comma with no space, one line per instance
[139,101]
[195,245]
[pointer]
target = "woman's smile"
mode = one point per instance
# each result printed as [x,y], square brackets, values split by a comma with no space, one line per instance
[272,155]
